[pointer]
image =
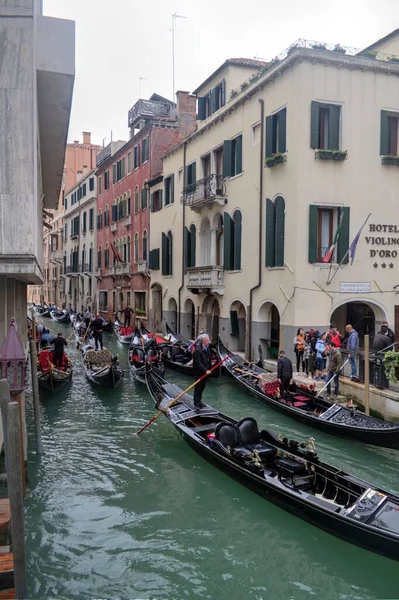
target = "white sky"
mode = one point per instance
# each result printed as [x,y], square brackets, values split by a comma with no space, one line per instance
[118,41]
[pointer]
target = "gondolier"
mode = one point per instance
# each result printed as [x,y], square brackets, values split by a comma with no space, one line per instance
[87,317]
[97,326]
[202,362]
[59,345]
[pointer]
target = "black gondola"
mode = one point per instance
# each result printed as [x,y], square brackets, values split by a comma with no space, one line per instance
[41,311]
[49,376]
[60,316]
[284,473]
[144,354]
[303,405]
[101,367]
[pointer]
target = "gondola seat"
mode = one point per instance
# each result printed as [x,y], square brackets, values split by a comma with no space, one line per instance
[249,437]
[228,436]
[288,467]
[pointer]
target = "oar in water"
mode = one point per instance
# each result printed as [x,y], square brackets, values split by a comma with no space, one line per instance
[175,400]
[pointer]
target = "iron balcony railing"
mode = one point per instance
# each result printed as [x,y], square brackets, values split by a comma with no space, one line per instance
[204,191]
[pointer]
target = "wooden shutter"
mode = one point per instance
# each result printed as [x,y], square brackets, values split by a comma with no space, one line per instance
[279,207]
[235,329]
[269,136]
[343,240]
[227,158]
[313,214]
[227,250]
[170,254]
[333,124]
[164,254]
[270,234]
[187,248]
[172,189]
[237,240]
[223,93]
[160,199]
[152,203]
[154,259]
[238,155]
[282,130]
[192,245]
[314,124]
[201,109]
[384,133]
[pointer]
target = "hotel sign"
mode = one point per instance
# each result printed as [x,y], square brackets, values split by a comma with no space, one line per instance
[384,239]
[348,287]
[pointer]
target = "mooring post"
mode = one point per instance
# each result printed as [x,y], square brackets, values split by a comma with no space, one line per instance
[35,387]
[15,492]
[367,374]
[4,401]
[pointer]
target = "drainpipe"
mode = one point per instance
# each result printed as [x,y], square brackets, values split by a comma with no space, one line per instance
[261,170]
[183,243]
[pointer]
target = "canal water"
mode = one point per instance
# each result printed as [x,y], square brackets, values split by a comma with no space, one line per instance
[113,515]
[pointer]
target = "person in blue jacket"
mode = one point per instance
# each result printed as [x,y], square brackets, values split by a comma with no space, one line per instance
[352,346]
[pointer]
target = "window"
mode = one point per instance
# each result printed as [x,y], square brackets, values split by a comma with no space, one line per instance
[84,224]
[136,199]
[276,133]
[100,185]
[156,201]
[139,302]
[153,259]
[232,241]
[91,184]
[99,221]
[129,162]
[323,228]
[99,258]
[145,244]
[169,189]
[275,222]
[128,249]
[136,248]
[91,259]
[124,250]
[144,197]
[103,301]
[65,202]
[128,299]
[389,133]
[324,126]
[91,219]
[189,246]
[106,180]
[106,216]
[232,157]
[106,256]
[118,170]
[114,214]
[191,177]
[75,227]
[167,253]
[214,100]
[129,203]
[65,231]
[218,157]
[90,290]
[145,149]
[136,151]
[83,190]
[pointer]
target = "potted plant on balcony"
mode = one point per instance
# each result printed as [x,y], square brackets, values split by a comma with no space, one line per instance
[394,59]
[318,46]
[234,93]
[292,49]
[339,155]
[339,49]
[140,312]
[368,54]
[275,159]
[244,85]
[389,159]
[391,365]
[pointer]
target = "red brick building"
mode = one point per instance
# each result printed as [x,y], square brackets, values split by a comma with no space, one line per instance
[123,200]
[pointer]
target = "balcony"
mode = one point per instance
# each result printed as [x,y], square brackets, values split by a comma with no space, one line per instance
[56,256]
[149,109]
[128,221]
[205,279]
[73,269]
[205,191]
[87,268]
[74,235]
[119,270]
[142,267]
[98,272]
[113,227]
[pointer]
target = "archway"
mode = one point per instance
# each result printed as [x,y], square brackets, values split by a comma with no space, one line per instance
[364,316]
[237,326]
[156,311]
[171,316]
[267,329]
[188,319]
[210,314]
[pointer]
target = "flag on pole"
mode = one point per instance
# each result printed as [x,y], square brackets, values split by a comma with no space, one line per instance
[329,255]
[353,246]
[116,253]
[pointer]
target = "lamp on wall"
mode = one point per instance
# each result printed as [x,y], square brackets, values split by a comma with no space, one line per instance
[13,361]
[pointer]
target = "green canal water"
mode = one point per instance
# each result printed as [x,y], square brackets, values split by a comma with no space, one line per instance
[112,515]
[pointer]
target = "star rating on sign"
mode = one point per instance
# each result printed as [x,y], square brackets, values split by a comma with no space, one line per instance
[383,265]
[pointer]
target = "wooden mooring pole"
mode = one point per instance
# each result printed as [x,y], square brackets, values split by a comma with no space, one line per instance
[367,374]
[35,387]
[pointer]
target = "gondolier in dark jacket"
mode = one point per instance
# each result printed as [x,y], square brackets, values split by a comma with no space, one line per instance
[97,328]
[127,314]
[202,362]
[284,372]
[59,345]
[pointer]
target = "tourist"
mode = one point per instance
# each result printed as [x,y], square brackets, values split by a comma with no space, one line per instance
[381,342]
[321,358]
[307,352]
[334,368]
[335,336]
[59,345]
[386,330]
[352,346]
[284,373]
[97,326]
[201,366]
[299,349]
[314,335]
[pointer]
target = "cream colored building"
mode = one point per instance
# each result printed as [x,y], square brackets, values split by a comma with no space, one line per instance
[79,243]
[308,142]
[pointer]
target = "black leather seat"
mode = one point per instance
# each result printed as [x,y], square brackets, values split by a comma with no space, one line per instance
[227,435]
[250,438]
[288,467]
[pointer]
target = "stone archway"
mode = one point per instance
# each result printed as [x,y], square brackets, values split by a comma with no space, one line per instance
[188,319]
[156,309]
[266,330]
[171,315]
[237,326]
[364,316]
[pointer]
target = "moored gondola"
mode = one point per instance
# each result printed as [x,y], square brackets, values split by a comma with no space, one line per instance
[303,405]
[144,354]
[51,377]
[285,472]
[101,367]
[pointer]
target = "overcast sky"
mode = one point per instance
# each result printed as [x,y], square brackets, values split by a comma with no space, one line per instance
[118,41]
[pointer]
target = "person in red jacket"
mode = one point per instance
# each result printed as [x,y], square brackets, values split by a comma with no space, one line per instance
[335,336]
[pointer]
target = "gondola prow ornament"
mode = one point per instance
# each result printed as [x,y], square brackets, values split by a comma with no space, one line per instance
[13,361]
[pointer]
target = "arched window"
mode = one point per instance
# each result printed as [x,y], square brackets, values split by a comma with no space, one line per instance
[219,242]
[136,247]
[232,241]
[106,256]
[106,216]
[136,199]
[190,245]
[145,247]
[91,258]
[275,226]
[124,250]
[167,253]
[128,249]
[100,219]
[99,258]
[129,207]
[84,266]
[114,215]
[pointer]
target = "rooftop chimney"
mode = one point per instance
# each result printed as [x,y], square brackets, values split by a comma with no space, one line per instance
[79,175]
[85,170]
[86,137]
[186,113]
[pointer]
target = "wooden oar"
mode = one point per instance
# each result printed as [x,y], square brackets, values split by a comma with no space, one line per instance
[84,337]
[175,400]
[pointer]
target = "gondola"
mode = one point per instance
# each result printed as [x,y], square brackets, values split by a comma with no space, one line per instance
[124,334]
[107,325]
[60,316]
[101,367]
[144,354]
[303,405]
[50,377]
[41,311]
[285,472]
[82,336]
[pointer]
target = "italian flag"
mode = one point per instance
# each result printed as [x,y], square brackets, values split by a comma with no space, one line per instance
[327,258]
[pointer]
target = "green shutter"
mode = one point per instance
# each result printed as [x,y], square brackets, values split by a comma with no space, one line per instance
[214,100]
[270,234]
[172,189]
[114,173]
[153,262]
[201,109]
[227,158]
[333,125]
[235,330]
[313,214]
[343,240]
[152,203]
[194,172]
[160,199]
[279,207]
[238,155]
[223,93]
[192,245]
[384,133]
[187,247]
[164,254]
[170,255]
[237,240]
[228,229]
[282,130]
[269,136]
[314,124]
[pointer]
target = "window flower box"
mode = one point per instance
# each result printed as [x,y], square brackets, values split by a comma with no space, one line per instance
[339,155]
[276,159]
[390,160]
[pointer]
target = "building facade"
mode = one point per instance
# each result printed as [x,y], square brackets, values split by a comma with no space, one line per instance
[304,147]
[79,243]
[156,125]
[37,63]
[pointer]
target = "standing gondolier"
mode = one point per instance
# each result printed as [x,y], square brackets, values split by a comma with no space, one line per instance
[202,362]
[87,317]
[97,327]
[59,345]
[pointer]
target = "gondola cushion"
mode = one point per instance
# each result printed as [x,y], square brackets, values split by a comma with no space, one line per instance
[289,467]
[248,431]
[228,435]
